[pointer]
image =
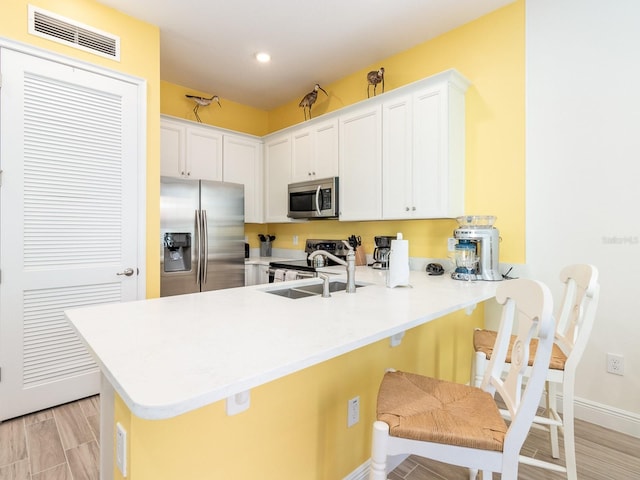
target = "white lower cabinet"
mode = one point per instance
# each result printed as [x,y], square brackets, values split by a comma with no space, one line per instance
[256,274]
[361,164]
[243,164]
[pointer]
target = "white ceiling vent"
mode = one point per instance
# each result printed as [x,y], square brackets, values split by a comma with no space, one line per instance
[74,34]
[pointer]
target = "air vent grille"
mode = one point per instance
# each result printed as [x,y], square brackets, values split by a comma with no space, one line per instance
[63,30]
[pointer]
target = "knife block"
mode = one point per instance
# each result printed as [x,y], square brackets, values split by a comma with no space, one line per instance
[361,257]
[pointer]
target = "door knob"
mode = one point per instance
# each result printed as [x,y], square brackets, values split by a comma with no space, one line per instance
[127,271]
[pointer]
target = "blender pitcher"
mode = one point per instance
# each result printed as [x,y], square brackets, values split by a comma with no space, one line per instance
[466,258]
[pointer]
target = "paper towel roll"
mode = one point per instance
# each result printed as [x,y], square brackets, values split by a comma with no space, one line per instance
[398,274]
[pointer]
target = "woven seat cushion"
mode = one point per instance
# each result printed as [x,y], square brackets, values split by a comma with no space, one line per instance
[427,409]
[483,341]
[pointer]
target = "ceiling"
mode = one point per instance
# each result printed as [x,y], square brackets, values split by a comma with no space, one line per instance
[210,45]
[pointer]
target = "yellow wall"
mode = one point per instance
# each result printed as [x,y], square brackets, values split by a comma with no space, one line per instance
[140,57]
[296,427]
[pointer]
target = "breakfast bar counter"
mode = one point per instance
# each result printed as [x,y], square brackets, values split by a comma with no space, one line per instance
[171,355]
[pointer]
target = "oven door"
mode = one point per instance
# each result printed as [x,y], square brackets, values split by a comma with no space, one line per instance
[314,199]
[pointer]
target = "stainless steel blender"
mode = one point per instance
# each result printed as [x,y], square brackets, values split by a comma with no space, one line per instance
[476,249]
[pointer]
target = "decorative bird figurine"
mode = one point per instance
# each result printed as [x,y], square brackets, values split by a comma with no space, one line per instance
[202,102]
[374,77]
[310,98]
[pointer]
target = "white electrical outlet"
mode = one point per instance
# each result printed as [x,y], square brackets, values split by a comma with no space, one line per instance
[295,239]
[121,449]
[353,411]
[615,364]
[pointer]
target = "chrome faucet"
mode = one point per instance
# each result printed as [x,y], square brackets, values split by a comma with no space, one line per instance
[350,264]
[325,285]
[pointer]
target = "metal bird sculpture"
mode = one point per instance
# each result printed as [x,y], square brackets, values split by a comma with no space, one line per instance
[374,77]
[202,102]
[310,98]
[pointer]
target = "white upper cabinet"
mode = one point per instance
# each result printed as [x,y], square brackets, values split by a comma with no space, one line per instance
[361,164]
[315,151]
[277,178]
[243,164]
[438,163]
[397,155]
[190,150]
[423,153]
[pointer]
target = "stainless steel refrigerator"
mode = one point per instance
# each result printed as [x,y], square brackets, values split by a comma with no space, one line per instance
[202,236]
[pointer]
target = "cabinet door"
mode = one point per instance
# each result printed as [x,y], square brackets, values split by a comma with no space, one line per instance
[277,178]
[243,164]
[204,154]
[302,161]
[397,156]
[326,149]
[250,271]
[360,165]
[315,152]
[172,149]
[262,274]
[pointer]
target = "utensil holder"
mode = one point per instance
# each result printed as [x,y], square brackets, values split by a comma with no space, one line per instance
[265,249]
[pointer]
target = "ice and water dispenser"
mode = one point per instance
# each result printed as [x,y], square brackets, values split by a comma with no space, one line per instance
[177,252]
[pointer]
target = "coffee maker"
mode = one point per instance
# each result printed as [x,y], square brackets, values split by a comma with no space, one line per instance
[381,251]
[476,248]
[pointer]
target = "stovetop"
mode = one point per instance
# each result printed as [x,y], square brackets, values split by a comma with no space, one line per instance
[302,265]
[336,247]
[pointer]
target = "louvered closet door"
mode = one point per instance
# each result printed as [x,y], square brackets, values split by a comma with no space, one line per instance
[68,210]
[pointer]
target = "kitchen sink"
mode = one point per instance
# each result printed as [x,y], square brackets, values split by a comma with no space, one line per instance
[303,291]
[291,293]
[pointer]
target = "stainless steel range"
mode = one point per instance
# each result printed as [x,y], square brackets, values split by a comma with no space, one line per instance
[296,269]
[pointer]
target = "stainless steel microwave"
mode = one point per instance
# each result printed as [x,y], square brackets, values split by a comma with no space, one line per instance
[314,199]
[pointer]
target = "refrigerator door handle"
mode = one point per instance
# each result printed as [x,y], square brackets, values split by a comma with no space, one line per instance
[199,242]
[205,241]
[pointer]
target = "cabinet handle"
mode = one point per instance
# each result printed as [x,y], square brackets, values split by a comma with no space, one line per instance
[413,208]
[406,209]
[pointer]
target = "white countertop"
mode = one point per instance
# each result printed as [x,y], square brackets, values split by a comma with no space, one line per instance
[171,355]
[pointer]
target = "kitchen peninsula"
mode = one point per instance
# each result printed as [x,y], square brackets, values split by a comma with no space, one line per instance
[168,363]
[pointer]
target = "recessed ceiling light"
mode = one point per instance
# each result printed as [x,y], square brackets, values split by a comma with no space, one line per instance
[263,57]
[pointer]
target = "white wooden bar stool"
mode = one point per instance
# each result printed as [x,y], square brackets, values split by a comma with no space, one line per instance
[575,318]
[460,424]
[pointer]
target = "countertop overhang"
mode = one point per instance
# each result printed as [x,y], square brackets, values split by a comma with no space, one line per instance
[172,355]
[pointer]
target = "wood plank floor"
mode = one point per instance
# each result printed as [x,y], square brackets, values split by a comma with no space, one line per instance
[61,443]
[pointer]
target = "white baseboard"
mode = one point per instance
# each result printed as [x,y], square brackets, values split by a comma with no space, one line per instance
[607,416]
[362,472]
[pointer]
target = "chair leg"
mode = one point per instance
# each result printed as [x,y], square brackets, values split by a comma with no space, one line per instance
[378,469]
[478,367]
[552,409]
[568,430]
